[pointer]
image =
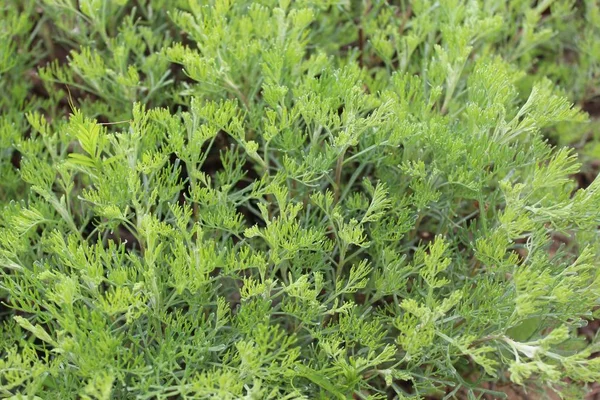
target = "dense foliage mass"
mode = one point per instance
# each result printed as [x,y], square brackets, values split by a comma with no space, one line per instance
[313,199]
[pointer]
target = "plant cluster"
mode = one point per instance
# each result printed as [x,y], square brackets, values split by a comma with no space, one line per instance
[312,199]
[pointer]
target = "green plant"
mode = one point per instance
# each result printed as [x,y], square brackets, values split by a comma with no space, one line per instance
[309,199]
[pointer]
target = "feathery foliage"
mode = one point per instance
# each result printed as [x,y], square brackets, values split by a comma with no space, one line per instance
[313,199]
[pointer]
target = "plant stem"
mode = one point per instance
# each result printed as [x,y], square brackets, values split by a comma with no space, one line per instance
[338,175]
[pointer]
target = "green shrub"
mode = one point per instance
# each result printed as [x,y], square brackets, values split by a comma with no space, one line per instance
[296,199]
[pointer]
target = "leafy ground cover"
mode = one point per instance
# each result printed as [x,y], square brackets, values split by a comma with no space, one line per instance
[313,199]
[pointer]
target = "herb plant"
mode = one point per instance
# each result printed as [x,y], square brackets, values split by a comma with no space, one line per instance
[313,199]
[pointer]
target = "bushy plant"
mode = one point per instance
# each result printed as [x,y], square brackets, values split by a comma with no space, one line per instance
[313,199]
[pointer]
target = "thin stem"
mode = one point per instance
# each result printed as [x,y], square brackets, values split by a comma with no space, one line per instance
[338,175]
